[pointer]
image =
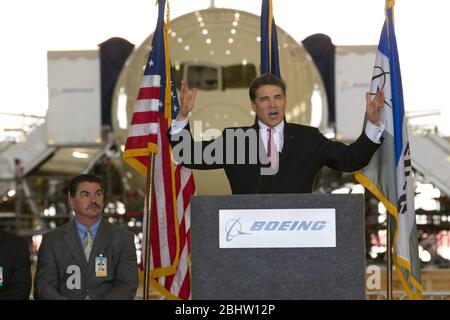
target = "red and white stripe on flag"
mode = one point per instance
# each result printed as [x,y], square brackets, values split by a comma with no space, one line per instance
[173,189]
[173,185]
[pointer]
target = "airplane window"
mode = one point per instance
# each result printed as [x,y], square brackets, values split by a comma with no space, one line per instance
[203,77]
[238,76]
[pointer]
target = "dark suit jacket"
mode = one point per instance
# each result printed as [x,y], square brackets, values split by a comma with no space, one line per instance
[304,153]
[15,261]
[61,260]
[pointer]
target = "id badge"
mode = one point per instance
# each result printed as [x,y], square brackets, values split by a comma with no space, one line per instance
[101,266]
[1,276]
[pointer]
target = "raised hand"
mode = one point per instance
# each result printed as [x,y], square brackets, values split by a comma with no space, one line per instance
[374,106]
[187,99]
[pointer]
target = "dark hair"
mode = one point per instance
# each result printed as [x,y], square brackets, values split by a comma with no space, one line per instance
[75,182]
[265,79]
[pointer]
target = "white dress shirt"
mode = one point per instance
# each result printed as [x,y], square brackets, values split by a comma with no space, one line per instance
[278,136]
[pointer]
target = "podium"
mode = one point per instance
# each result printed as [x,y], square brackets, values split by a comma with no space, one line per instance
[272,273]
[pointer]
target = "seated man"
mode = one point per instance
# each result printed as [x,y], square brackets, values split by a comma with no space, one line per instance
[15,273]
[87,258]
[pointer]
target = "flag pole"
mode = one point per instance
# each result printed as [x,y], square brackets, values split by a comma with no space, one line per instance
[148,225]
[389,256]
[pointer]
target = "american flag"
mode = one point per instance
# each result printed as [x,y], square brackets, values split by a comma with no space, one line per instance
[269,43]
[156,106]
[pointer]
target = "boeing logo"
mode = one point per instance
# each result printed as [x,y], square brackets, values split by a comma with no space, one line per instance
[233,227]
[288,225]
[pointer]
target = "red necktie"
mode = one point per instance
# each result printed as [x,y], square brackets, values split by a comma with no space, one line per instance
[272,151]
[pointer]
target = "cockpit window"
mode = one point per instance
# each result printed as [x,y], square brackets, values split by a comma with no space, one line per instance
[238,76]
[203,77]
[206,77]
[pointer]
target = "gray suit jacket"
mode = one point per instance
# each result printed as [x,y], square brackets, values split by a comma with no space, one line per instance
[63,272]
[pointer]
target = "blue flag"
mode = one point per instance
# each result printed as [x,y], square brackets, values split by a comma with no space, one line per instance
[389,174]
[269,43]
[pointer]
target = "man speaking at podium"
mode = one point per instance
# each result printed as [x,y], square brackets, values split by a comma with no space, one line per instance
[272,155]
